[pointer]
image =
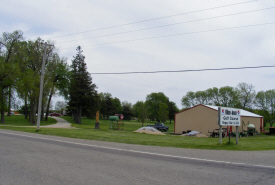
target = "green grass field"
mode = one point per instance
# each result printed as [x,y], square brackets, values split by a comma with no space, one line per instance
[105,124]
[19,120]
[86,131]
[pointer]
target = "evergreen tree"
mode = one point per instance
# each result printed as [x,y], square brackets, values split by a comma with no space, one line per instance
[83,98]
[173,109]
[117,105]
[162,112]
[127,110]
[110,108]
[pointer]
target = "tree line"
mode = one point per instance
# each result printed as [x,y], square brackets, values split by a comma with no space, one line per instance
[20,71]
[157,107]
[243,96]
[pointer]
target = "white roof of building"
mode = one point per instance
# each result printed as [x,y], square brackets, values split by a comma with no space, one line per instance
[243,112]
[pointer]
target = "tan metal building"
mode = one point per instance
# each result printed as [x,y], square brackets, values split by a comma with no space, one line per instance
[205,117]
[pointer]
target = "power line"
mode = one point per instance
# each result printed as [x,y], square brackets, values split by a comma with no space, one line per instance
[163,17]
[184,71]
[119,33]
[179,34]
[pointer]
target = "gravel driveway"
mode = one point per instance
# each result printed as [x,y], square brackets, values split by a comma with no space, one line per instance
[61,123]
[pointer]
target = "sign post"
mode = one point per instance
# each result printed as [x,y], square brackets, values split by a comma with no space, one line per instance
[237,135]
[220,128]
[229,117]
[220,134]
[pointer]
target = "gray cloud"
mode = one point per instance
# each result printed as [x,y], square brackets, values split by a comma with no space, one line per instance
[251,46]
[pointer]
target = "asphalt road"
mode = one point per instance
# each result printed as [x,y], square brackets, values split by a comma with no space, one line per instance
[37,159]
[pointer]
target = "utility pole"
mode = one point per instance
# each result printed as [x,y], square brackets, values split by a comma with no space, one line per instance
[41,87]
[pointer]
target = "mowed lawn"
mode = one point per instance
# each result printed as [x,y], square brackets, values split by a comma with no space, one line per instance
[19,120]
[86,131]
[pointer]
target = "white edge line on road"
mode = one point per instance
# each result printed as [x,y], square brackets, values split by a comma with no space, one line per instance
[142,152]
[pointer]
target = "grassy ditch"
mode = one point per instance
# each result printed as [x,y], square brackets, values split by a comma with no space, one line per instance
[86,131]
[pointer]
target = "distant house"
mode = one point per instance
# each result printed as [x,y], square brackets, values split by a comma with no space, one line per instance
[205,117]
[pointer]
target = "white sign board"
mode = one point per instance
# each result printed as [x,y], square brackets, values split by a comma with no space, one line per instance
[230,116]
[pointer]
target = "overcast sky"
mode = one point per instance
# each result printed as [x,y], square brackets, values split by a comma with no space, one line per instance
[191,46]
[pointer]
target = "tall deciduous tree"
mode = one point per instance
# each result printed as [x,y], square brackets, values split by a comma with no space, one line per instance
[8,67]
[59,75]
[270,95]
[136,107]
[153,102]
[201,97]
[246,94]
[209,96]
[265,100]
[225,96]
[189,100]
[25,78]
[82,92]
[228,96]
[108,105]
[194,98]
[215,96]
[117,105]
[141,111]
[32,67]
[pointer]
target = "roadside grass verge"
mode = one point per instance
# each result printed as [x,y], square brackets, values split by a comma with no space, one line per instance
[86,131]
[19,120]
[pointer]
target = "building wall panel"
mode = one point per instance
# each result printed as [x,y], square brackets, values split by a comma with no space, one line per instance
[202,119]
